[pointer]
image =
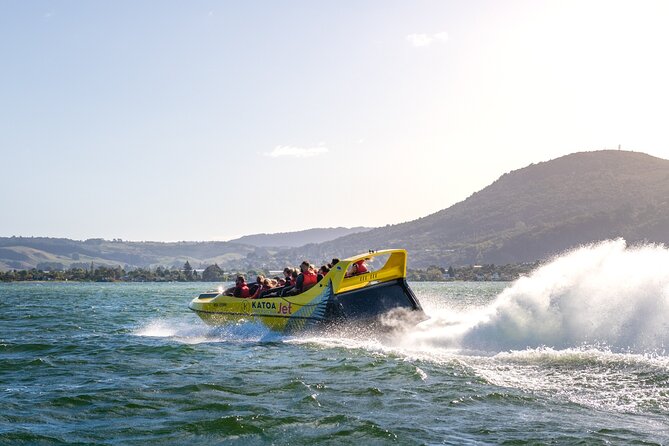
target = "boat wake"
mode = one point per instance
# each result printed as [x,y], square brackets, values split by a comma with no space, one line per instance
[606,295]
[197,333]
[590,326]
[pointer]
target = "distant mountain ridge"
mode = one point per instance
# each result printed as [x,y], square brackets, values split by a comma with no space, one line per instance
[31,252]
[526,215]
[62,253]
[298,238]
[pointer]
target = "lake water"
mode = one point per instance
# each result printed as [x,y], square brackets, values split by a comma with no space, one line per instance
[574,354]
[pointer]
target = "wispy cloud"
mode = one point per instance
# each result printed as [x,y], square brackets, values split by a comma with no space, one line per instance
[423,39]
[297,152]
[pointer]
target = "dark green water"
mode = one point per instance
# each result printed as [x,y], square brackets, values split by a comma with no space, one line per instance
[130,364]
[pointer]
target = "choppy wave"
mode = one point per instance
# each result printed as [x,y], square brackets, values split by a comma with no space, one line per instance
[141,370]
[591,377]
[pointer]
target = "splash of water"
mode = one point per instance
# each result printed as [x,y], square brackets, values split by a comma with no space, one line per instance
[189,333]
[605,294]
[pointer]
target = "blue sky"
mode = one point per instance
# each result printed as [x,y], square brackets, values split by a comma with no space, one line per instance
[210,120]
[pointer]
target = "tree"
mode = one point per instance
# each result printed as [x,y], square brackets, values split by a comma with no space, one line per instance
[213,273]
[434,273]
[188,271]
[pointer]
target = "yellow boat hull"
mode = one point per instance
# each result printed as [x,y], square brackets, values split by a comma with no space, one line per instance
[337,297]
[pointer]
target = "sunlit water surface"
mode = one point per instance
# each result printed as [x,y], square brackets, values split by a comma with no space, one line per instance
[574,354]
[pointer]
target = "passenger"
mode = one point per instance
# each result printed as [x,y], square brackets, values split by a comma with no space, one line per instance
[306,279]
[254,287]
[291,281]
[282,282]
[287,273]
[263,289]
[323,272]
[334,262]
[240,289]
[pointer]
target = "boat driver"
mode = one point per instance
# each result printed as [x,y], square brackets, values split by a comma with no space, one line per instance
[358,268]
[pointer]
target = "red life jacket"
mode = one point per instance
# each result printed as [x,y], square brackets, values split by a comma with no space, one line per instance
[241,291]
[362,269]
[309,279]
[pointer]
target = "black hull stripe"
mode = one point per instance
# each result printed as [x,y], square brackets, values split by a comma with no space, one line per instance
[255,315]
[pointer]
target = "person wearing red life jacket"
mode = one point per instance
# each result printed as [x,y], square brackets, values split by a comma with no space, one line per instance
[241,288]
[358,268]
[307,277]
[361,267]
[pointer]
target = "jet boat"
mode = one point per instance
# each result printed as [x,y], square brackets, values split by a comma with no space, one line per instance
[340,297]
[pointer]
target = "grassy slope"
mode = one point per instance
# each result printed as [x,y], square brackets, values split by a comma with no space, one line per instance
[533,212]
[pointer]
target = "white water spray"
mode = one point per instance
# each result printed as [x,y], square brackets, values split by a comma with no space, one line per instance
[189,333]
[606,294]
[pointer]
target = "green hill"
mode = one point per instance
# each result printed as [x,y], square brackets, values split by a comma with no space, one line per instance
[525,215]
[532,213]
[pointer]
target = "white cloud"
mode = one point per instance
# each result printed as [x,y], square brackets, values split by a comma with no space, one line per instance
[297,152]
[441,37]
[423,39]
